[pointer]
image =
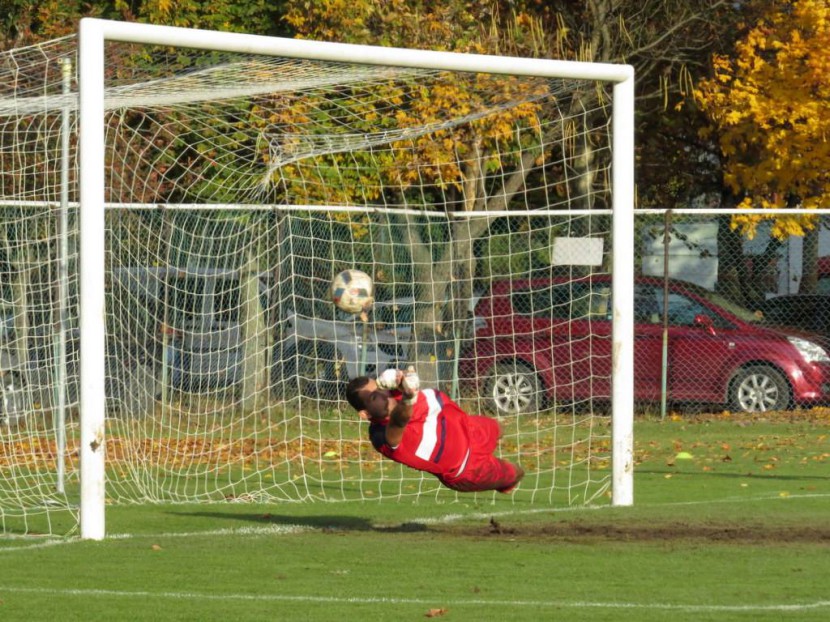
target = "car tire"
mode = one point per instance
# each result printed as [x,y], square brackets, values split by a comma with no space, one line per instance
[513,389]
[759,388]
[313,369]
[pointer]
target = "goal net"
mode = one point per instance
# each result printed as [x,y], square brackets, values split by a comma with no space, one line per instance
[206,196]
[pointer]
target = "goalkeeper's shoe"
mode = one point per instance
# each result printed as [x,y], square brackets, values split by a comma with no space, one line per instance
[519,475]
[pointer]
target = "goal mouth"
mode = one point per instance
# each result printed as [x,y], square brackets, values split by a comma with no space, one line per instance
[173,289]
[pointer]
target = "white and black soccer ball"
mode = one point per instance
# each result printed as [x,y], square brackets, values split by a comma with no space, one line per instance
[353,291]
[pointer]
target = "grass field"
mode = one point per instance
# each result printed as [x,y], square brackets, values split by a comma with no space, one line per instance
[738,531]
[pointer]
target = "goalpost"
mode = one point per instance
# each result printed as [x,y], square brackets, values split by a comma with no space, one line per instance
[222,179]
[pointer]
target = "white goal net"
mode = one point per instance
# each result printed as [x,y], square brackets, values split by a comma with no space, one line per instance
[235,185]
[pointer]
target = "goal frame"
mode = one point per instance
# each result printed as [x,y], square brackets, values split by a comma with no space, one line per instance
[94,33]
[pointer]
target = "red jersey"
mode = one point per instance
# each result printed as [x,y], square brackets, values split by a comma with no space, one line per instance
[435,440]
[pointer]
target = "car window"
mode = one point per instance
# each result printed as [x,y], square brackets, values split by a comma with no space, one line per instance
[781,313]
[183,297]
[560,301]
[682,310]
[570,301]
[647,309]
[521,302]
[746,315]
[806,313]
[773,313]
[343,316]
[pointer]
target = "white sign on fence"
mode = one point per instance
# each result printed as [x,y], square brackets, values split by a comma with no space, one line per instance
[577,251]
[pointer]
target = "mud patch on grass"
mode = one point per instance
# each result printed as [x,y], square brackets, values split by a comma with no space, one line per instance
[665,532]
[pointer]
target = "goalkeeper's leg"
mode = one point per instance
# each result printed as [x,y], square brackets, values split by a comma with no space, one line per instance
[483,470]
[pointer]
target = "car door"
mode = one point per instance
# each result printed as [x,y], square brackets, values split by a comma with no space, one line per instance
[699,353]
[576,320]
[648,341]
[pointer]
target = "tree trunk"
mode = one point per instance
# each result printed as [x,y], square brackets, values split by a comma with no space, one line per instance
[21,283]
[730,260]
[733,279]
[431,276]
[253,336]
[809,262]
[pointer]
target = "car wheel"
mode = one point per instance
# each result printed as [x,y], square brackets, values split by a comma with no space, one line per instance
[759,388]
[513,389]
[312,369]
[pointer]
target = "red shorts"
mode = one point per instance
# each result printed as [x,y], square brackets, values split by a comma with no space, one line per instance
[483,471]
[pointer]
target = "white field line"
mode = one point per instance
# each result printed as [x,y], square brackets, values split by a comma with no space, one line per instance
[364,600]
[266,530]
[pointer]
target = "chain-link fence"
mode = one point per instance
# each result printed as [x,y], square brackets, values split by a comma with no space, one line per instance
[722,320]
[732,311]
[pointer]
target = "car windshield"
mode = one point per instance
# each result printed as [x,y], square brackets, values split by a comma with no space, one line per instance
[732,307]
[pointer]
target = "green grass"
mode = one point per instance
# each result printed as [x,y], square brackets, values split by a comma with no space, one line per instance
[739,531]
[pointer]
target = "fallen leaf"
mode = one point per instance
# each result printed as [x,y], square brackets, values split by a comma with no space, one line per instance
[434,613]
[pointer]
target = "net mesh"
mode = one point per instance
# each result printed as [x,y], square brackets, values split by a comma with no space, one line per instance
[237,186]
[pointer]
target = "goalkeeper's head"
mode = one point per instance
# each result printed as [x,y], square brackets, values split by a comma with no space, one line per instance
[368,399]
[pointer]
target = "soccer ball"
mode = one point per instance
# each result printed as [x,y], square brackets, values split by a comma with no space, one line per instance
[352,291]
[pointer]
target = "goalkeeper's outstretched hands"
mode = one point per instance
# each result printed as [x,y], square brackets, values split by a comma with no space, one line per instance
[407,382]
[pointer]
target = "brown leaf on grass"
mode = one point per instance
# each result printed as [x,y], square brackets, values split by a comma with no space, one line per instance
[434,613]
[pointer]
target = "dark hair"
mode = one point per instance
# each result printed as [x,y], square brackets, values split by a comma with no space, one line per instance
[353,389]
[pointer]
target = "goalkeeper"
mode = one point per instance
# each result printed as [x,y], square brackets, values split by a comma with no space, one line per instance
[427,431]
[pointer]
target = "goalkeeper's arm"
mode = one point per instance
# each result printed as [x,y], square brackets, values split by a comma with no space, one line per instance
[403,411]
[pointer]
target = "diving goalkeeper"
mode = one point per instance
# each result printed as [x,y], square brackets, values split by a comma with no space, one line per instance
[427,431]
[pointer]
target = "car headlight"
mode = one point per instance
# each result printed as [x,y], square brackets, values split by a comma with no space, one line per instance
[812,352]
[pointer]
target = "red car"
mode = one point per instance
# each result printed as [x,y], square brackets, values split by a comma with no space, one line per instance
[544,341]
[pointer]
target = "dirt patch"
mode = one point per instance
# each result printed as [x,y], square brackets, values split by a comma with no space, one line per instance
[594,532]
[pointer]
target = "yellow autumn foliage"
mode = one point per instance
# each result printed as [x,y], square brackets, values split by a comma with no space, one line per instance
[437,157]
[770,103]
